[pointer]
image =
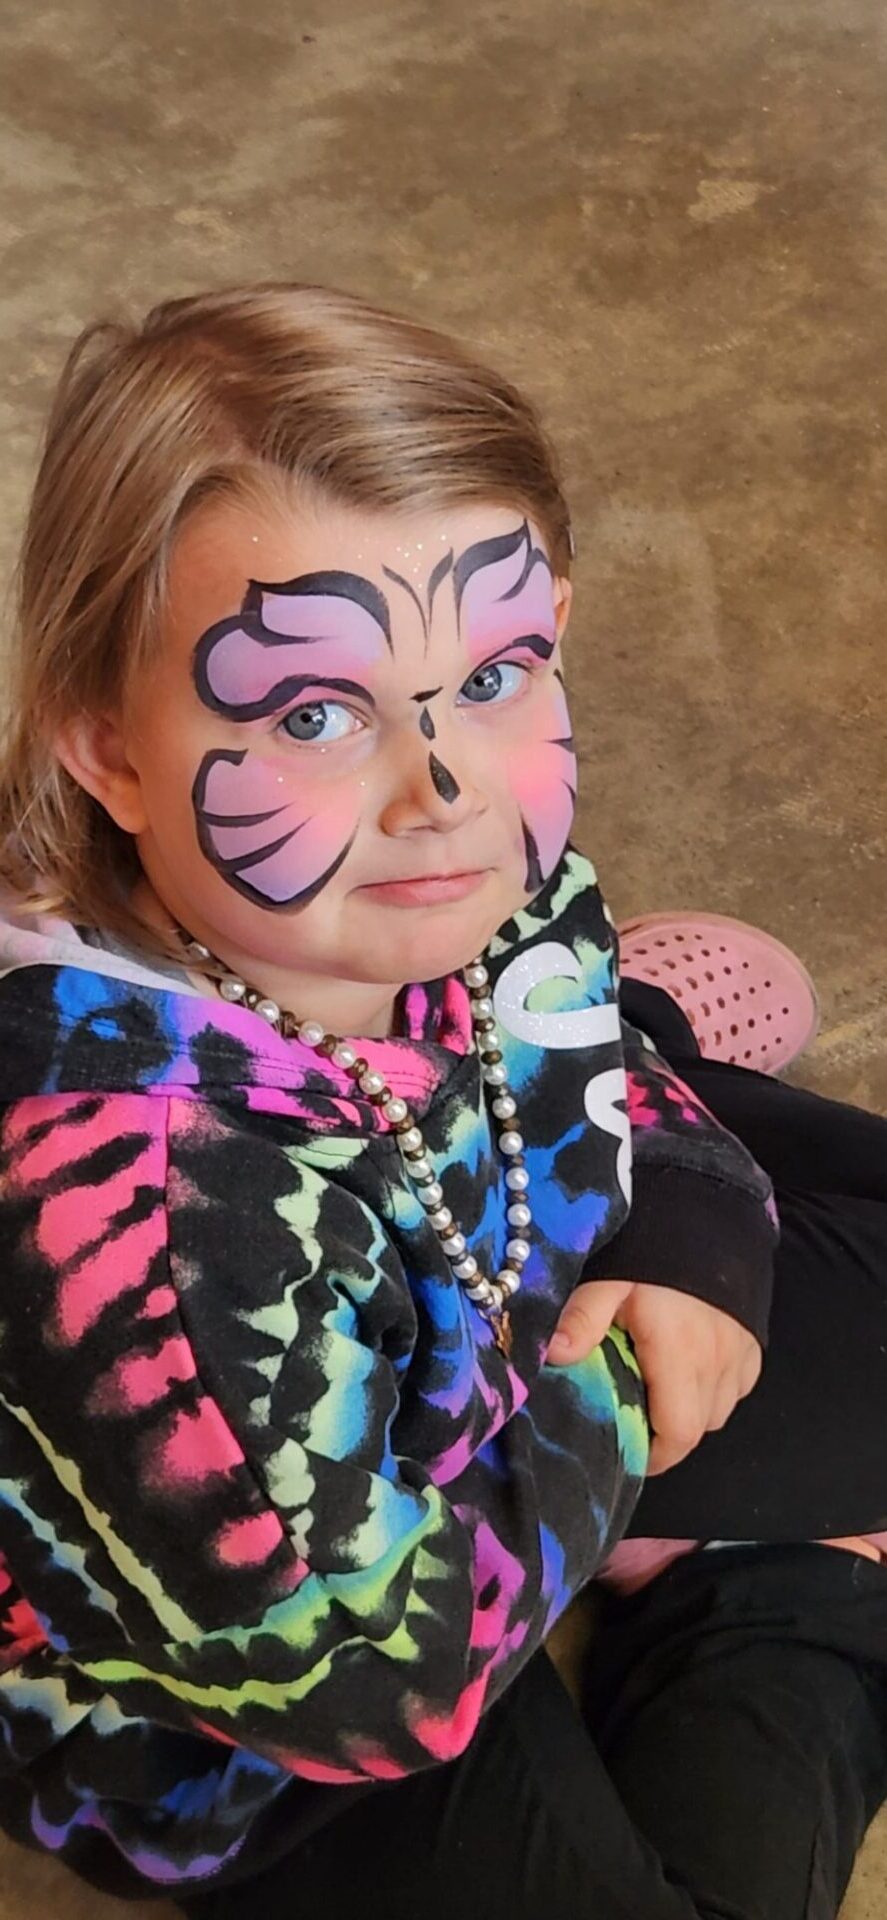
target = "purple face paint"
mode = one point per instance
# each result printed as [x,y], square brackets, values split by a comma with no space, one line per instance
[288,637]
[264,821]
[504,589]
[271,825]
[544,779]
[277,853]
[504,593]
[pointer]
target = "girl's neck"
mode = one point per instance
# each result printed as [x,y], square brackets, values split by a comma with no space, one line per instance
[351,1007]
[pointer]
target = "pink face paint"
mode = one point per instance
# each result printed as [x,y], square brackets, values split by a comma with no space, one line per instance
[261,822]
[285,639]
[278,853]
[543,776]
[505,595]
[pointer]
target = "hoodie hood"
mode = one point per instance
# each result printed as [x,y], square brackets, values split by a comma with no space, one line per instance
[80,1017]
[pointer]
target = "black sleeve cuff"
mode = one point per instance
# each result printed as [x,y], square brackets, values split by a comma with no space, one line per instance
[699,1235]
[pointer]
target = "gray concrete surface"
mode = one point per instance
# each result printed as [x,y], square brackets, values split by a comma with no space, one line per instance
[668,221]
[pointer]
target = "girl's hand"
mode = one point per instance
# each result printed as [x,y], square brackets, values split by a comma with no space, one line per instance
[697,1362]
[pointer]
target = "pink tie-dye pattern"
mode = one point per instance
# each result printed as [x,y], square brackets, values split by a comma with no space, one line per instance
[445,1738]
[198,1443]
[106,1275]
[160,1301]
[43,1158]
[78,1230]
[70,1223]
[643,1114]
[141,1379]
[287,1064]
[498,1408]
[449,1024]
[20,1629]
[248,1541]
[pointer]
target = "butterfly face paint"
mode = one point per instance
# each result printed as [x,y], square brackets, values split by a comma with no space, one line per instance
[504,587]
[275,823]
[324,631]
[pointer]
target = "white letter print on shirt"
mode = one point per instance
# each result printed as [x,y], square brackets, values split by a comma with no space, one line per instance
[579,1027]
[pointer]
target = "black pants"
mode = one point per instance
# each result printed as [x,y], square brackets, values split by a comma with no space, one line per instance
[732,1743]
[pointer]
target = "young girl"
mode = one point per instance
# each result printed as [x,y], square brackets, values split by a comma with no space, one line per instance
[318,1109]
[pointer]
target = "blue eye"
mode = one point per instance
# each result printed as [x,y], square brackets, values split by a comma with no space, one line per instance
[323,720]
[496,682]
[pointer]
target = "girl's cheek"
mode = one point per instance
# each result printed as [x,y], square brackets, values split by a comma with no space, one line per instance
[542,769]
[275,837]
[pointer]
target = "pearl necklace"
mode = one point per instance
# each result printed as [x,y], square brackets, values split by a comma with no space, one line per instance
[489,1297]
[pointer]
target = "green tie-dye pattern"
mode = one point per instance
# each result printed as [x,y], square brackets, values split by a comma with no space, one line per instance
[291,1531]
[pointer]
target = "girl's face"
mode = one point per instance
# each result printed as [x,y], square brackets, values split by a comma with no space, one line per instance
[352,756]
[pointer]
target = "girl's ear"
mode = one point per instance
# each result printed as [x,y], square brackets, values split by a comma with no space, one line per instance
[563,599]
[91,748]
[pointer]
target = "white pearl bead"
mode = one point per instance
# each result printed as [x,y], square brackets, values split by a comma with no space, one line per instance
[371,1082]
[497,1297]
[477,975]
[232,989]
[344,1055]
[519,1215]
[419,1166]
[409,1141]
[440,1219]
[311,1032]
[508,1281]
[200,952]
[395,1111]
[481,1293]
[511,1142]
[269,1011]
[504,1107]
[495,1076]
[482,1009]
[431,1196]
[518,1251]
[454,1245]
[467,1268]
[489,1041]
[518,1179]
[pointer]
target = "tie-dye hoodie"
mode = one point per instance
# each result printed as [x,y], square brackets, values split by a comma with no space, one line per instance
[277,1519]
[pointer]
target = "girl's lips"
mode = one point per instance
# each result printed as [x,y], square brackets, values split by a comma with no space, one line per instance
[426,893]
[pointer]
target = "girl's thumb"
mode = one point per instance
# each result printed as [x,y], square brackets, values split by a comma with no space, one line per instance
[586,1318]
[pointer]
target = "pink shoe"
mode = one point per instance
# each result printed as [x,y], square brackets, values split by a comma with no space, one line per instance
[749,999]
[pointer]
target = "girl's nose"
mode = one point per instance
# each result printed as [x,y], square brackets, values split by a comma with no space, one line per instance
[430,787]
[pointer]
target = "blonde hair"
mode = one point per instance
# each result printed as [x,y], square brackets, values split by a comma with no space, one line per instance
[360,406]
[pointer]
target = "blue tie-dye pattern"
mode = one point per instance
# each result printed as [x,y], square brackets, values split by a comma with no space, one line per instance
[81,996]
[63,1555]
[554,1560]
[565,1222]
[577,1436]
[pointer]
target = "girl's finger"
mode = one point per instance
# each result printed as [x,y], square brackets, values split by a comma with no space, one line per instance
[586,1318]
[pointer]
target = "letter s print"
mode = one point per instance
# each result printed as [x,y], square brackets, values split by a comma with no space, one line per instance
[577,1027]
[601,1096]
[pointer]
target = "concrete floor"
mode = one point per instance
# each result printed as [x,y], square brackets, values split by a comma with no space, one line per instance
[669,222]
